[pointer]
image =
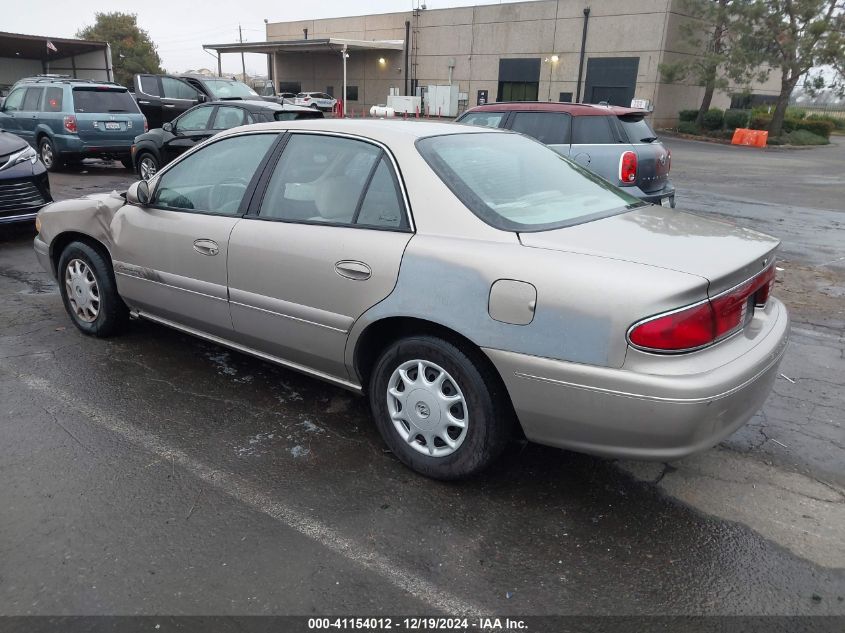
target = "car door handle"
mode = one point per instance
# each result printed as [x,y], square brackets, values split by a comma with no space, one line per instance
[143,102]
[169,105]
[350,269]
[206,247]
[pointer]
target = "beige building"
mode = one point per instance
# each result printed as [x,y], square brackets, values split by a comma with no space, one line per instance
[517,51]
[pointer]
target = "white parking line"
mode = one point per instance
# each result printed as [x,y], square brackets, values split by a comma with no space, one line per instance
[245,493]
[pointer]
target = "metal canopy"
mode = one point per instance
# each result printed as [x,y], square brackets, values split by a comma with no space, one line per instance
[19,46]
[326,45]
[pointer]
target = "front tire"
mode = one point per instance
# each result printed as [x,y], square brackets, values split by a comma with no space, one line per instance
[89,291]
[443,412]
[49,156]
[147,165]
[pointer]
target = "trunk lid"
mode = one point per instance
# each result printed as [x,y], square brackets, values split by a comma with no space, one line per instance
[106,115]
[722,253]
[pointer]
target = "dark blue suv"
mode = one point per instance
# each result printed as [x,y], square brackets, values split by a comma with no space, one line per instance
[68,119]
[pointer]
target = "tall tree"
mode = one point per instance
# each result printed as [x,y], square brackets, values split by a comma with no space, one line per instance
[132,49]
[716,60]
[794,37]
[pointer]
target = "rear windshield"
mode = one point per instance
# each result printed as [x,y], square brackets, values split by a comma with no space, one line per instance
[103,100]
[517,184]
[295,116]
[228,89]
[637,129]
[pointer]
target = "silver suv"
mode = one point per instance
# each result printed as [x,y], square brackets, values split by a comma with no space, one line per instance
[616,143]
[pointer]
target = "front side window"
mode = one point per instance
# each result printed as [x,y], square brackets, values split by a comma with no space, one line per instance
[228,117]
[176,89]
[551,128]
[195,119]
[215,178]
[516,184]
[483,119]
[14,101]
[333,180]
[32,99]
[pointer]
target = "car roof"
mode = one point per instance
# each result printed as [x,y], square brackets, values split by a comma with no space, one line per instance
[575,109]
[259,104]
[385,130]
[60,79]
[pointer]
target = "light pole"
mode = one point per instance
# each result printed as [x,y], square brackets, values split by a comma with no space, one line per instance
[243,64]
[344,55]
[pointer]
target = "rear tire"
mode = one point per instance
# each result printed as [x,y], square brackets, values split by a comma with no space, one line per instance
[89,292]
[48,154]
[415,416]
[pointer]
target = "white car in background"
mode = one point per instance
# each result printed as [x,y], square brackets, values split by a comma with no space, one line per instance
[318,100]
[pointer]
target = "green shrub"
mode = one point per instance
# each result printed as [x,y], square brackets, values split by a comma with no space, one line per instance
[714,118]
[724,134]
[819,128]
[804,137]
[688,115]
[777,140]
[795,113]
[736,118]
[687,127]
[838,123]
[760,121]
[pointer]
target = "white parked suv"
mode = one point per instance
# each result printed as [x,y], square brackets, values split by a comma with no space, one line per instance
[317,100]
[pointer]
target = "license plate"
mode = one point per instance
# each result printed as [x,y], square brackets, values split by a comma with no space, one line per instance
[666,202]
[112,125]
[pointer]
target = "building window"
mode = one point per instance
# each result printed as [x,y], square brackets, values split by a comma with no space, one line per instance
[352,93]
[518,91]
[565,97]
[330,91]
[290,86]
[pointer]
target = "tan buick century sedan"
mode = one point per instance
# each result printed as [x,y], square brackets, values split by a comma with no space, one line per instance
[470,282]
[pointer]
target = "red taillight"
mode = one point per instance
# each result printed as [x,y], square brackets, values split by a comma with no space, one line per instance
[70,123]
[628,168]
[705,322]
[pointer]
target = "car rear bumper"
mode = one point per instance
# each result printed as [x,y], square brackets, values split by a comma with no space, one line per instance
[698,401]
[654,197]
[74,146]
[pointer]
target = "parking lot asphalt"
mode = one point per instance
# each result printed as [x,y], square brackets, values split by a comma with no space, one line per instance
[155,473]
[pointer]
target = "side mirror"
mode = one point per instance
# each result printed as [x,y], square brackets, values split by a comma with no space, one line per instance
[201,98]
[138,193]
[167,127]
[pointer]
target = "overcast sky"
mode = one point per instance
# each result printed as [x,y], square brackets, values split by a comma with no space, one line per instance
[180,28]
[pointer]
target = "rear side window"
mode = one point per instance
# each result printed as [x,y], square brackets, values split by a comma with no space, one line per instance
[637,129]
[53,100]
[32,99]
[335,181]
[551,128]
[295,116]
[591,130]
[228,117]
[103,100]
[483,119]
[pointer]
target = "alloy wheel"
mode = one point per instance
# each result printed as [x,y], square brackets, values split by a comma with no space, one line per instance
[147,168]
